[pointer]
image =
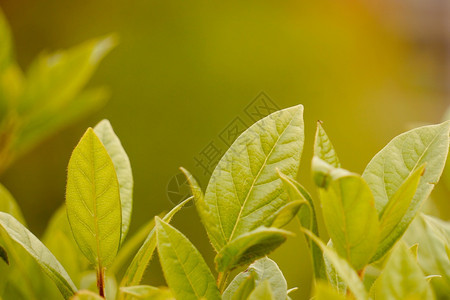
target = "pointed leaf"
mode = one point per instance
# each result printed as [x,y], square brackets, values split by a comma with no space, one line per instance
[351,218]
[25,239]
[185,271]
[93,201]
[393,282]
[244,190]
[343,268]
[261,270]
[122,165]
[250,246]
[402,156]
[136,269]
[395,210]
[147,292]
[262,292]
[286,213]
[323,148]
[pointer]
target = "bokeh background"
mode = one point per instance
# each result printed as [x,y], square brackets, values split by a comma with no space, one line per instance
[184,70]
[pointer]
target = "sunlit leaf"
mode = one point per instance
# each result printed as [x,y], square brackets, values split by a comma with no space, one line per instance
[262,292]
[342,267]
[9,205]
[185,271]
[323,148]
[122,165]
[93,201]
[23,237]
[402,156]
[261,270]
[146,292]
[136,269]
[250,246]
[286,213]
[244,190]
[351,218]
[326,292]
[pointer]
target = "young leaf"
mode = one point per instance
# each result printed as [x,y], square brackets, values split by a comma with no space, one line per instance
[395,209]
[185,271]
[286,213]
[261,270]
[244,190]
[351,219]
[262,292]
[93,201]
[136,269]
[248,247]
[323,148]
[25,239]
[146,292]
[122,165]
[342,267]
[402,156]
[402,278]
[307,217]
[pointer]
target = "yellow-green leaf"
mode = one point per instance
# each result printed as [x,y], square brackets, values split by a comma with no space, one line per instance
[93,201]
[186,273]
[147,292]
[262,292]
[323,148]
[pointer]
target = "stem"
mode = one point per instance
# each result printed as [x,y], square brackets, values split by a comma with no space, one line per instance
[222,278]
[101,282]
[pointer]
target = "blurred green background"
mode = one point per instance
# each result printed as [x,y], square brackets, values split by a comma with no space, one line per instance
[183,70]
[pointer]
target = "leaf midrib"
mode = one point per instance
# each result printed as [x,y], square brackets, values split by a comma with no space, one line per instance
[257,177]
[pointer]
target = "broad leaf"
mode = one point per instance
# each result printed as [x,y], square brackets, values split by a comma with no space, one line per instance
[286,213]
[402,278]
[402,156]
[262,292]
[185,271]
[136,269]
[323,148]
[93,201]
[261,270]
[396,208]
[122,165]
[242,288]
[248,247]
[342,267]
[25,239]
[244,190]
[308,219]
[147,292]
[351,219]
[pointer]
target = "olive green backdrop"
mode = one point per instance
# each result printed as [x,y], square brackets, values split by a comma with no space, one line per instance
[185,69]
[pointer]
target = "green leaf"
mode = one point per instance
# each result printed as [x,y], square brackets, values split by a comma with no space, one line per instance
[59,240]
[93,201]
[9,205]
[86,295]
[4,255]
[342,267]
[351,218]
[402,278]
[147,292]
[286,213]
[122,165]
[433,237]
[308,219]
[242,289]
[262,292]
[89,281]
[50,265]
[325,292]
[244,190]
[261,270]
[396,208]
[250,246]
[185,271]
[402,156]
[323,148]
[130,247]
[136,269]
